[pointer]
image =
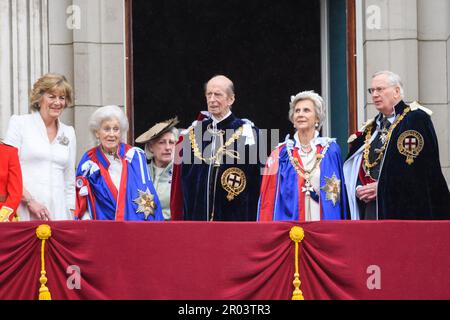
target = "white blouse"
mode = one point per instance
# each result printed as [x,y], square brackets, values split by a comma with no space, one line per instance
[115,169]
[48,168]
[309,161]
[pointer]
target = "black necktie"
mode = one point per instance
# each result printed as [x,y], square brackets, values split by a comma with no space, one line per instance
[385,123]
[377,144]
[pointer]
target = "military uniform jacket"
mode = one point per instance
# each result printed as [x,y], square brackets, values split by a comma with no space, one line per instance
[10,178]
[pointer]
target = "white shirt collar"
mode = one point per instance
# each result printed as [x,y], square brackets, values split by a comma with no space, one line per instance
[391,118]
[312,142]
[215,121]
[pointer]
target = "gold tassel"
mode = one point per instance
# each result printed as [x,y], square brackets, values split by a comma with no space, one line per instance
[297,234]
[43,232]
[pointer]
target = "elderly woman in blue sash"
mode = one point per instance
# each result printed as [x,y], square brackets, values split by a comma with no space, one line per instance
[112,181]
[303,178]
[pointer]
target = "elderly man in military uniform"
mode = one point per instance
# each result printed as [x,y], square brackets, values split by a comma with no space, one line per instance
[217,175]
[393,169]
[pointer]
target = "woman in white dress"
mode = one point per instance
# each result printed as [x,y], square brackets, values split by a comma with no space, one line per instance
[47,149]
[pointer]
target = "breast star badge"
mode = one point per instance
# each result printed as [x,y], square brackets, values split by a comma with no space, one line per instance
[333,189]
[146,203]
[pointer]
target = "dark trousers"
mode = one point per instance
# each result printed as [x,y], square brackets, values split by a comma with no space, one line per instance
[367,211]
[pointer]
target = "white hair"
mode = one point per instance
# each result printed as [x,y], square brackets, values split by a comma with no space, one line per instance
[394,80]
[106,113]
[316,99]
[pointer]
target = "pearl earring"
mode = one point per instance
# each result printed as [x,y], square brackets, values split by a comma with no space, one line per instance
[316,125]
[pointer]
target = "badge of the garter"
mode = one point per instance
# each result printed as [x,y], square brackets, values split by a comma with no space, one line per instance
[410,144]
[233,181]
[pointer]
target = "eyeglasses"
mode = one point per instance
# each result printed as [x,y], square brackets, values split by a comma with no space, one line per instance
[378,89]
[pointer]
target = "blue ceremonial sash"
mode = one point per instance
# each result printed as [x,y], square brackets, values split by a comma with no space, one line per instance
[286,202]
[330,166]
[286,206]
[104,201]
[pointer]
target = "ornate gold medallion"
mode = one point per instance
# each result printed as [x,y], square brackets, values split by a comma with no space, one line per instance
[146,203]
[410,144]
[333,189]
[234,182]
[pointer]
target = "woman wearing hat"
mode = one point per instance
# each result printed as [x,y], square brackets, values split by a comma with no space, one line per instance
[160,148]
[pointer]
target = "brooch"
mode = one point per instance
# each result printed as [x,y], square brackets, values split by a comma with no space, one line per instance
[410,144]
[333,189]
[63,140]
[146,203]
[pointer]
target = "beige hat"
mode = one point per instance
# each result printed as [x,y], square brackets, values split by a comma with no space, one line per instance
[157,130]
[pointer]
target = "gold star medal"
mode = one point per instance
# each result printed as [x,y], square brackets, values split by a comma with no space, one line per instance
[333,189]
[146,203]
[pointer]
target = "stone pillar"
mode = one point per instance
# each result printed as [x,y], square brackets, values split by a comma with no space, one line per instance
[412,38]
[24,53]
[434,70]
[99,62]
[391,44]
[60,48]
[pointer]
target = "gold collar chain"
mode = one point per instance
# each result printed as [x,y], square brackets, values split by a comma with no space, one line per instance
[222,150]
[301,171]
[367,163]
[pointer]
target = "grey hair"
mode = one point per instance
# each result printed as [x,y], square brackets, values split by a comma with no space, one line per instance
[316,99]
[394,80]
[106,113]
[148,153]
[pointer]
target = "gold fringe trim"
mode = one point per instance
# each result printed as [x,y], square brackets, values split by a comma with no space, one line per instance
[297,234]
[43,232]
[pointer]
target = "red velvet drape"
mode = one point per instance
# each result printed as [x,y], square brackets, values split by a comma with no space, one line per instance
[227,260]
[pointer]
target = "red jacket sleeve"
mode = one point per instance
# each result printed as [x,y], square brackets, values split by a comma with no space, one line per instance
[14,187]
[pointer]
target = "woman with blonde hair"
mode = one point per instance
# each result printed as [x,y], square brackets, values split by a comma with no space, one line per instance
[47,150]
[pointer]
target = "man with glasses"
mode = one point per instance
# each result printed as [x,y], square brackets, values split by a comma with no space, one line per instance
[392,170]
